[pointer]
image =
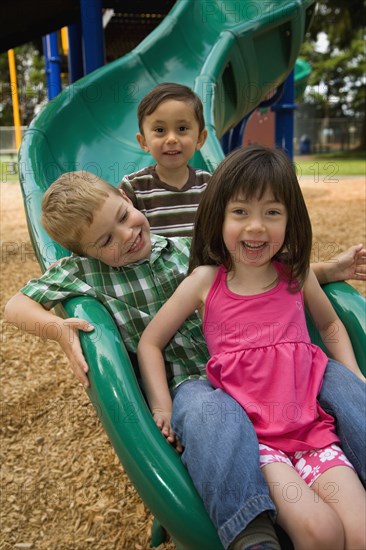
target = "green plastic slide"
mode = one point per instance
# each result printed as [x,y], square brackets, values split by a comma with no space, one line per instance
[232,53]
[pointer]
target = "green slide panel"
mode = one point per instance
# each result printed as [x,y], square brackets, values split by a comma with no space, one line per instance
[302,73]
[232,53]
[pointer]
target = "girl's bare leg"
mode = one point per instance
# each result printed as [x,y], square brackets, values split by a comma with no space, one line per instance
[307,519]
[340,488]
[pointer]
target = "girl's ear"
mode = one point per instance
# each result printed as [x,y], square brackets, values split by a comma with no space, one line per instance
[201,139]
[142,142]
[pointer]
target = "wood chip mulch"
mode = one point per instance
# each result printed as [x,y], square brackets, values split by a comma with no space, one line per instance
[62,485]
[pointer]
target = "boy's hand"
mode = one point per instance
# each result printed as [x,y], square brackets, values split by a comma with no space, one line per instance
[32,317]
[162,420]
[350,264]
[70,343]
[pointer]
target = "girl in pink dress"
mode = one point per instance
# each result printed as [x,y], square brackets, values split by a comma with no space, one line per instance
[251,282]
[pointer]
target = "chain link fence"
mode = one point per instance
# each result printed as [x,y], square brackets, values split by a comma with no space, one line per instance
[8,146]
[325,135]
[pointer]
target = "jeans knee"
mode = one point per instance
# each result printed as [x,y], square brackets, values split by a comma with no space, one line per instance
[198,406]
[213,410]
[187,406]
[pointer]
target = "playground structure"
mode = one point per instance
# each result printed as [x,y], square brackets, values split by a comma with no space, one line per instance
[91,125]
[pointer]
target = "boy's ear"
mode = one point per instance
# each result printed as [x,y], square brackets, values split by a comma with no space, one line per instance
[142,142]
[125,196]
[201,139]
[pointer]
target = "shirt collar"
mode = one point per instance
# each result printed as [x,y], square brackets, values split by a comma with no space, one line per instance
[158,243]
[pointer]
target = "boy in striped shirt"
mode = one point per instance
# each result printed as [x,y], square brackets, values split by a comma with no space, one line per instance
[172,128]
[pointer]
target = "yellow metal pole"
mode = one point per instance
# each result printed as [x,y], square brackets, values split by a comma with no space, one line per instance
[14,96]
[64,41]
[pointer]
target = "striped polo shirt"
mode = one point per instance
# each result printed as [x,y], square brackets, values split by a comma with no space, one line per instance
[170,211]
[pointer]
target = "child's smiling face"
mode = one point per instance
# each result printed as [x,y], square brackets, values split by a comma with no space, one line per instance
[119,233]
[254,231]
[171,134]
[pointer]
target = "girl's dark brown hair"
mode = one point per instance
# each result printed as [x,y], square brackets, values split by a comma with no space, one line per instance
[164,92]
[248,172]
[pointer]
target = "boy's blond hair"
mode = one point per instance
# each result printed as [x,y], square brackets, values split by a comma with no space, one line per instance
[69,205]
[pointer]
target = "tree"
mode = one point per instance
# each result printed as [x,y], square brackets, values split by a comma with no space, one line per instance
[31,84]
[338,72]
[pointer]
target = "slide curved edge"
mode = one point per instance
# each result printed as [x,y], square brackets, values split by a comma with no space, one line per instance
[153,466]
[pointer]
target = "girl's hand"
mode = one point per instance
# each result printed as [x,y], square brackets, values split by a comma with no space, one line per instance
[350,264]
[162,420]
[70,343]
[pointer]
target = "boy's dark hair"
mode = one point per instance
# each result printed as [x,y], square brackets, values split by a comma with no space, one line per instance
[164,92]
[248,172]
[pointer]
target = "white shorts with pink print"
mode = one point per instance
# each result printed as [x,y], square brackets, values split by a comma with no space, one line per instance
[308,464]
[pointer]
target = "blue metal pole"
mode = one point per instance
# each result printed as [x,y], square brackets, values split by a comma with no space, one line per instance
[233,138]
[53,64]
[284,123]
[93,37]
[75,52]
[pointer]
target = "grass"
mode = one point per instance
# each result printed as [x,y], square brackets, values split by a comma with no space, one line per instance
[8,171]
[329,164]
[332,164]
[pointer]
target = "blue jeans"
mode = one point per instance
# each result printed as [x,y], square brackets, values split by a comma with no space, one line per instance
[221,455]
[343,395]
[221,447]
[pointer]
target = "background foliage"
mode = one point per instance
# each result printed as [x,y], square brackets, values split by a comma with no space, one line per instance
[337,81]
[32,89]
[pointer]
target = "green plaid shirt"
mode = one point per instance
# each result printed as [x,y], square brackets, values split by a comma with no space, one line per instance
[132,294]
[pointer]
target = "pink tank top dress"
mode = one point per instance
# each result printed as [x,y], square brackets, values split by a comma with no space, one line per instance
[261,354]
